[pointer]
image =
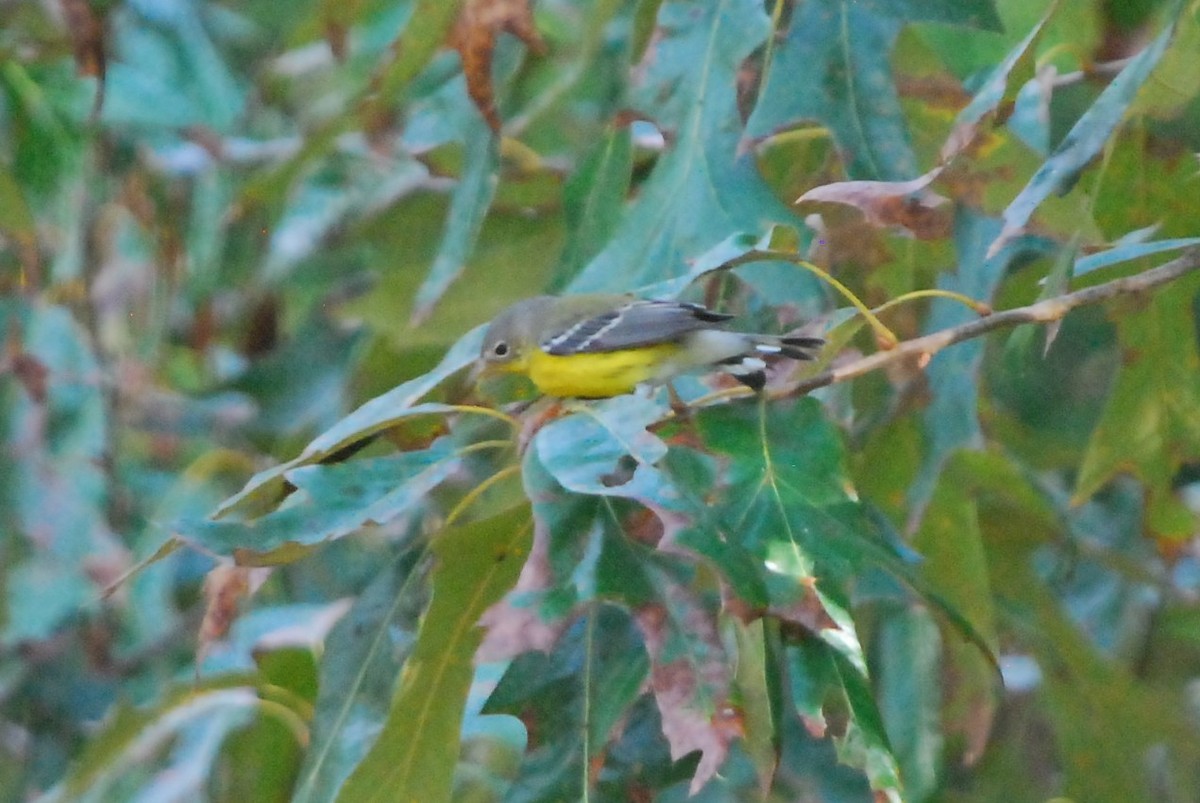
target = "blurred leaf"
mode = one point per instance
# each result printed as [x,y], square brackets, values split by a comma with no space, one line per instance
[1174,83]
[363,657]
[428,24]
[841,51]
[1148,426]
[700,188]
[468,207]
[974,13]
[1084,141]
[1130,251]
[952,418]
[593,199]
[132,732]
[292,401]
[910,696]
[415,753]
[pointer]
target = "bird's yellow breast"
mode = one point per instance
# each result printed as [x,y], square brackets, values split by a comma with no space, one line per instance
[599,374]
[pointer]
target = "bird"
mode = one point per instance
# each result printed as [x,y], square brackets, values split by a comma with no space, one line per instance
[595,346]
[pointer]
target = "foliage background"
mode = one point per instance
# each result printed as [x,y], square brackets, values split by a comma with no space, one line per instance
[279,211]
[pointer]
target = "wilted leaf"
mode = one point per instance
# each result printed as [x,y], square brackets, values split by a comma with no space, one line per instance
[224,587]
[909,205]
[474,37]
[86,29]
[690,680]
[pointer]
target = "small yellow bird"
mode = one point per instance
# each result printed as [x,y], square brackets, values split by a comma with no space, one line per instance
[596,346]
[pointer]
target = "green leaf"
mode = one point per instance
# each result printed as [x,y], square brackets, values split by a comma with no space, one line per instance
[382,412]
[469,205]
[572,701]
[833,68]
[331,501]
[701,189]
[132,732]
[1084,141]
[972,13]
[1149,426]
[907,684]
[592,202]
[1000,88]
[363,656]
[415,754]
[819,678]
[1129,251]
[951,421]
[426,29]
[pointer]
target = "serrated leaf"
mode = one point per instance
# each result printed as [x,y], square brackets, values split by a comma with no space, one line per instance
[331,501]
[1084,141]
[833,68]
[999,89]
[701,189]
[571,702]
[380,413]
[416,752]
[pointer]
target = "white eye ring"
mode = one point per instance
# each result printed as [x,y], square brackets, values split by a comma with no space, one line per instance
[500,349]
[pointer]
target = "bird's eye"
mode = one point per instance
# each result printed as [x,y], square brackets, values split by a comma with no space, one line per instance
[500,349]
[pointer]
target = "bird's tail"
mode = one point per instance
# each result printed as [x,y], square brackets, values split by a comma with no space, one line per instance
[750,368]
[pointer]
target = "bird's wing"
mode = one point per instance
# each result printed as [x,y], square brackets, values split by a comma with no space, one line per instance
[637,323]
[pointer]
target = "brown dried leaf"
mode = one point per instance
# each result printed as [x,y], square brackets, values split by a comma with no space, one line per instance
[691,691]
[474,37]
[909,205]
[224,588]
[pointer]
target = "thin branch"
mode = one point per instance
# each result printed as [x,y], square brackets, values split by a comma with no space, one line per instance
[1051,309]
